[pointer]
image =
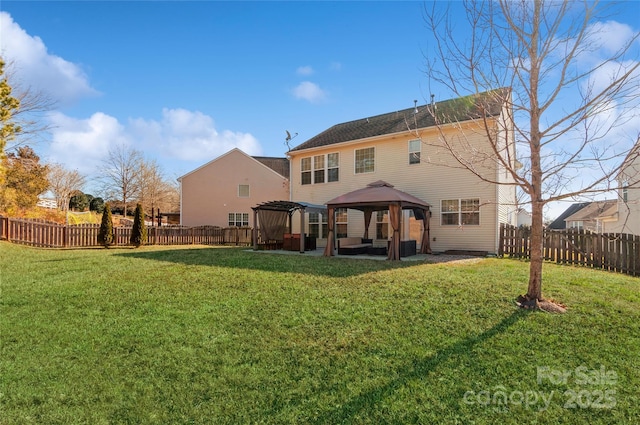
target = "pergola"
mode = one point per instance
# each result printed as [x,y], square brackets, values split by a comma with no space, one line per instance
[379,196]
[274,216]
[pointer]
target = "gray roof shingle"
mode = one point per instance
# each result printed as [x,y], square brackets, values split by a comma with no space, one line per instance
[448,111]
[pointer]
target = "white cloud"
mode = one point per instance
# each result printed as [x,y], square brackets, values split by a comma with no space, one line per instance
[82,144]
[309,91]
[180,135]
[304,70]
[190,136]
[335,66]
[63,81]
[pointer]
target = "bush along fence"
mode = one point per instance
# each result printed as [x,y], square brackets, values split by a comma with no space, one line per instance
[45,234]
[619,252]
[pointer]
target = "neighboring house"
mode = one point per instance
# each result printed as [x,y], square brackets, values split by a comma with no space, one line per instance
[559,223]
[222,191]
[597,216]
[404,149]
[524,217]
[629,194]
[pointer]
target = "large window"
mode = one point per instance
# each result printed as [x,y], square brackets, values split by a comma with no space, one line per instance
[305,169]
[238,219]
[320,169]
[341,222]
[382,224]
[333,167]
[243,190]
[318,225]
[414,151]
[455,212]
[365,160]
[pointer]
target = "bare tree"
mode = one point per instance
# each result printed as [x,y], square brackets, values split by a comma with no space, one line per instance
[30,116]
[64,183]
[572,110]
[120,174]
[155,191]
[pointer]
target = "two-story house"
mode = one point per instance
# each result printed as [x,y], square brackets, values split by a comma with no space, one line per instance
[419,151]
[629,194]
[223,191]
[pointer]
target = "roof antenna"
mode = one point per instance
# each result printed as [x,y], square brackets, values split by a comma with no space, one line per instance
[288,138]
[415,106]
[433,102]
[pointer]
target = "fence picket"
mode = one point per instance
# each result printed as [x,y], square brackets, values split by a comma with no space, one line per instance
[614,252]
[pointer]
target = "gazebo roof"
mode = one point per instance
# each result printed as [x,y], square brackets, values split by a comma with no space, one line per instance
[378,194]
[290,207]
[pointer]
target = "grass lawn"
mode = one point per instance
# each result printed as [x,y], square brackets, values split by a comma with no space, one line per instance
[225,336]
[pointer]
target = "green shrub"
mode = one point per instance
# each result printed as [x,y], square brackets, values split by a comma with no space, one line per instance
[139,231]
[106,236]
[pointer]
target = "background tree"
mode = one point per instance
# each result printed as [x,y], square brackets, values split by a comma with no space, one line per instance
[30,116]
[120,174]
[139,230]
[96,204]
[9,107]
[64,183]
[106,236]
[79,202]
[565,98]
[25,180]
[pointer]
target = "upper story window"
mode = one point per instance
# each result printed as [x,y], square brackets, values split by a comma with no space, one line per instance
[243,190]
[455,212]
[625,191]
[415,146]
[305,170]
[365,160]
[320,169]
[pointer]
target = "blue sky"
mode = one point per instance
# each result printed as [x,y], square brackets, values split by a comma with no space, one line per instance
[185,82]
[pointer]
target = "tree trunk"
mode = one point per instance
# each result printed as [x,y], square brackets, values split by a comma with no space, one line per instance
[534,292]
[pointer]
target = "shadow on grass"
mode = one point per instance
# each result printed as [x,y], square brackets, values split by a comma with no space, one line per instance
[240,258]
[367,401]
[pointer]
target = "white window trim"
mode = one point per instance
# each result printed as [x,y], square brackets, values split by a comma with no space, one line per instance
[411,152]
[459,212]
[355,159]
[313,169]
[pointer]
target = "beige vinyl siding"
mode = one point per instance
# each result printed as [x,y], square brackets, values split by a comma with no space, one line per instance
[210,193]
[433,180]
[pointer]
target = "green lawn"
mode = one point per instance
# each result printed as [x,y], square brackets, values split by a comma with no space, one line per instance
[225,336]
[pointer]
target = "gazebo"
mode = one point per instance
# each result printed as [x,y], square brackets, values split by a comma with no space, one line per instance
[378,196]
[275,217]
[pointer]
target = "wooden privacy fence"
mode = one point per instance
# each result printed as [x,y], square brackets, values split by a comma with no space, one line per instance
[618,252]
[45,234]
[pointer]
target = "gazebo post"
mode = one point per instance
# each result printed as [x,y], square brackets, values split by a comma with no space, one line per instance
[302,230]
[254,232]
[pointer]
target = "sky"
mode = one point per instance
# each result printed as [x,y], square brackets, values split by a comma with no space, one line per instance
[185,82]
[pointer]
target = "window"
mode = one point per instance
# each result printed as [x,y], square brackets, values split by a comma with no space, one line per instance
[238,219]
[579,224]
[365,160]
[625,191]
[318,169]
[455,212]
[414,151]
[305,168]
[333,167]
[341,222]
[243,190]
[382,224]
[318,228]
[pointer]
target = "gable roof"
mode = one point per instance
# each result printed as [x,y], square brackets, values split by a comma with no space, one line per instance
[448,111]
[278,165]
[559,222]
[595,210]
